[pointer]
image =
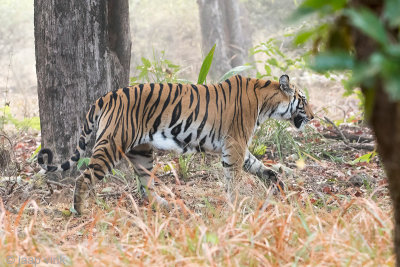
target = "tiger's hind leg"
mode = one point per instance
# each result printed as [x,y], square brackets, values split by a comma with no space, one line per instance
[256,167]
[102,161]
[142,158]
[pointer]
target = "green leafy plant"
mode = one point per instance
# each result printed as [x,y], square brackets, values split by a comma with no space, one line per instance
[82,161]
[184,165]
[234,71]
[205,67]
[364,158]
[157,70]
[24,124]
[337,49]
[276,59]
[258,150]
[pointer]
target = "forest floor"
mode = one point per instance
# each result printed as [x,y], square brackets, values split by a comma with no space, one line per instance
[334,210]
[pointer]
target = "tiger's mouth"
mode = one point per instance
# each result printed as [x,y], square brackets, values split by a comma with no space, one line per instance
[299,122]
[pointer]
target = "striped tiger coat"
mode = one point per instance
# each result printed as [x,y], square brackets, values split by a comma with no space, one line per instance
[219,118]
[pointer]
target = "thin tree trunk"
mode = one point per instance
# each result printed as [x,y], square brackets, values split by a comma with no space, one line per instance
[221,24]
[234,33]
[212,32]
[82,51]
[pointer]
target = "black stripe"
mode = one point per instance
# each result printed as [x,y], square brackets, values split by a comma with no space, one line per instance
[176,113]
[155,104]
[188,121]
[91,112]
[100,103]
[176,93]
[177,129]
[76,156]
[226,165]
[203,122]
[81,143]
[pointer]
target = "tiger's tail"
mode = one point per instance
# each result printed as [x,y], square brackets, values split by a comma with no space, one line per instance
[87,128]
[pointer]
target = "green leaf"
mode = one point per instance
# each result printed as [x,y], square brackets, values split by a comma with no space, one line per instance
[272,61]
[82,161]
[303,37]
[392,12]
[322,6]
[368,23]
[35,152]
[364,158]
[233,72]
[332,61]
[146,62]
[392,87]
[268,70]
[205,67]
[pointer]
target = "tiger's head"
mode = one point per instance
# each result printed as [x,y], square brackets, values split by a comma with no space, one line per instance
[285,101]
[300,111]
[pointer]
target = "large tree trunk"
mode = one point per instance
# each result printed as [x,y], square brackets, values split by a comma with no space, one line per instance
[220,23]
[82,51]
[385,120]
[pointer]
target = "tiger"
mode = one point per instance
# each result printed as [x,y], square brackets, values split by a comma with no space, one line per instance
[218,118]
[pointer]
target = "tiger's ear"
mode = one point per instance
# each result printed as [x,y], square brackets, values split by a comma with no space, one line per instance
[284,85]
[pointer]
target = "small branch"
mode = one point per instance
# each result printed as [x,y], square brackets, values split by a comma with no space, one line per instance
[364,146]
[12,188]
[56,183]
[337,129]
[8,139]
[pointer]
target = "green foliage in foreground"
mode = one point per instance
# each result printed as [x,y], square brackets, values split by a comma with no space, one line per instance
[334,40]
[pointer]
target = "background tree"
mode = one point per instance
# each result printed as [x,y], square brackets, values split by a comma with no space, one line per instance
[365,38]
[82,51]
[221,24]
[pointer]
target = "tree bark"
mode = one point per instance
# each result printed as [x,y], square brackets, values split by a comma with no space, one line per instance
[82,51]
[220,23]
[234,34]
[385,119]
[212,32]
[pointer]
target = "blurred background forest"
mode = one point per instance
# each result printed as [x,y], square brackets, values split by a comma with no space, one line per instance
[169,31]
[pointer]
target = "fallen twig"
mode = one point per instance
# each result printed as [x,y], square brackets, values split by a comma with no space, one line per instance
[350,137]
[337,129]
[57,183]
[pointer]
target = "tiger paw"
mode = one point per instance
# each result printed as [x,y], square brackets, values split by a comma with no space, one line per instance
[271,178]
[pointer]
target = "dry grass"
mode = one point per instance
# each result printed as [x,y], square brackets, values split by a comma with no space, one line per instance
[279,231]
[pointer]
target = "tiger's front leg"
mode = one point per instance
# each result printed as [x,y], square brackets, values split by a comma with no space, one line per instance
[256,167]
[233,154]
